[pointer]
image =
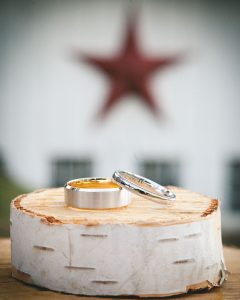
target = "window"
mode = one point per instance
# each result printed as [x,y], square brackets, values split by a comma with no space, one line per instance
[163,172]
[67,169]
[234,187]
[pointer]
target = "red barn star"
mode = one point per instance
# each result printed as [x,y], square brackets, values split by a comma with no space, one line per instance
[129,71]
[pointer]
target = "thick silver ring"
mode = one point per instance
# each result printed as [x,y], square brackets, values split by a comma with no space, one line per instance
[142,186]
[95,198]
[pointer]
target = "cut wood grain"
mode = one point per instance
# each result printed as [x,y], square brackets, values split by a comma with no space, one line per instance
[145,249]
[49,205]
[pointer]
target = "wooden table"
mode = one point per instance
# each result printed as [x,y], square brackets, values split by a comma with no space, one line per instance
[10,288]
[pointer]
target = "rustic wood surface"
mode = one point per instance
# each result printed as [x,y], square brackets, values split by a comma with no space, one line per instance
[10,288]
[53,228]
[49,204]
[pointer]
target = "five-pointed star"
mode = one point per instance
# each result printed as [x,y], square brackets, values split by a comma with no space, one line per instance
[129,71]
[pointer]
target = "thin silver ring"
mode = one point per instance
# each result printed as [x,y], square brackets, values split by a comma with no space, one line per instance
[142,186]
[95,198]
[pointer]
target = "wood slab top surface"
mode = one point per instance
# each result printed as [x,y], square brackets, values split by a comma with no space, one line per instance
[189,207]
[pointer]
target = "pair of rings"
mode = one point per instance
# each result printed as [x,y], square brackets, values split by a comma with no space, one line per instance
[106,193]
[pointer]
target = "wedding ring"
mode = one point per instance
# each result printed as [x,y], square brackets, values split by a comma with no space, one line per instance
[95,193]
[142,186]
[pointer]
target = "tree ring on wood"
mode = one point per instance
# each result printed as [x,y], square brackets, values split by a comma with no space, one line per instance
[143,249]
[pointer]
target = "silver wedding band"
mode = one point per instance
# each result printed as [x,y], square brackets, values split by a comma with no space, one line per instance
[115,192]
[145,187]
[95,198]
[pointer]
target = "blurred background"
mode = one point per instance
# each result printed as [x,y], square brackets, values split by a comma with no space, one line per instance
[50,130]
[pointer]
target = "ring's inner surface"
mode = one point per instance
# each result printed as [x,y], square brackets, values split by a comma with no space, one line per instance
[93,184]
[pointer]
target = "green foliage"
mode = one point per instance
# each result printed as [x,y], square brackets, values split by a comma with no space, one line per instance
[8,191]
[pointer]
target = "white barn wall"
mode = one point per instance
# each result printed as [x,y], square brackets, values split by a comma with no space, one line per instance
[49,102]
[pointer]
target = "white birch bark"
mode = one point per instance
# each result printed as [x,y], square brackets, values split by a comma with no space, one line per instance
[139,250]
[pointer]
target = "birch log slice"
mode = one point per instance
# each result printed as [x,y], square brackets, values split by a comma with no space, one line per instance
[145,249]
